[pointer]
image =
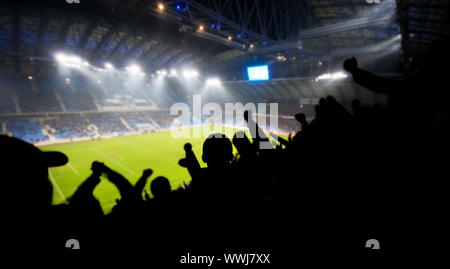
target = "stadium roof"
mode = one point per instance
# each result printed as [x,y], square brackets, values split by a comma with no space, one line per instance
[120,31]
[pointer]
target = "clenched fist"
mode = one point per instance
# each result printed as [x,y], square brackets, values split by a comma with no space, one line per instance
[351,65]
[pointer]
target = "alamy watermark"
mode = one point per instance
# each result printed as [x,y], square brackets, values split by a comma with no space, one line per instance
[212,118]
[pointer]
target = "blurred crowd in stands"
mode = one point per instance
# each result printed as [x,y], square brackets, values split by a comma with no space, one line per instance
[40,128]
[50,127]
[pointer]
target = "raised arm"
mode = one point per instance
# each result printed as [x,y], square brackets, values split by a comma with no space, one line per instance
[125,188]
[371,81]
[83,199]
[259,137]
[140,184]
[190,162]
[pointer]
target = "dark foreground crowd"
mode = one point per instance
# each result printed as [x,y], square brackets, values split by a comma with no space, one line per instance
[346,177]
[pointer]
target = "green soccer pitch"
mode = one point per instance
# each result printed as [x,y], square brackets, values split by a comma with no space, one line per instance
[129,155]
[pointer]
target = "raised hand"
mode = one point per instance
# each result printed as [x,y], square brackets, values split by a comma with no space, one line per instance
[246,115]
[97,168]
[147,173]
[140,184]
[350,65]
[190,162]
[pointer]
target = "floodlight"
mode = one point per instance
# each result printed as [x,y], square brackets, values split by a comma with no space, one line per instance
[60,57]
[190,73]
[108,66]
[333,76]
[134,69]
[338,75]
[213,82]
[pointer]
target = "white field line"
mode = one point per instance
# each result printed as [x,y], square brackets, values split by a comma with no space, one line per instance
[73,168]
[118,164]
[56,186]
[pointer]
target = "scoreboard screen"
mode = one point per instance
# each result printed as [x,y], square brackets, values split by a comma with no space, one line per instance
[256,73]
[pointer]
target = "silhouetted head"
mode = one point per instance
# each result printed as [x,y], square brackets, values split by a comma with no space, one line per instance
[160,187]
[242,143]
[24,176]
[217,150]
[246,115]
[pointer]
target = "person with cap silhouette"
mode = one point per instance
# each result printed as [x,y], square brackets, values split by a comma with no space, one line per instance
[26,192]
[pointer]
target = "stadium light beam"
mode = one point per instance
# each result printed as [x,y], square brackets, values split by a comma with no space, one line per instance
[75,59]
[332,76]
[213,82]
[134,69]
[190,73]
[60,57]
[109,66]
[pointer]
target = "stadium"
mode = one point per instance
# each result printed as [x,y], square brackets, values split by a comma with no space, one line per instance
[128,83]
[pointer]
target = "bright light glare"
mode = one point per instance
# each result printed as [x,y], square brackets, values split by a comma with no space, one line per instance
[75,59]
[60,57]
[108,66]
[69,61]
[213,82]
[134,69]
[190,73]
[161,6]
[173,72]
[333,76]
